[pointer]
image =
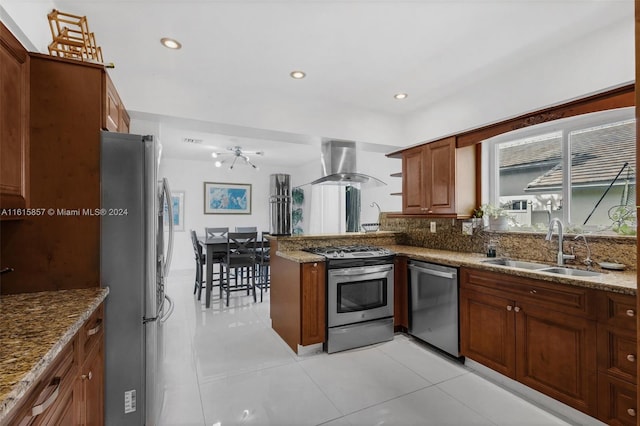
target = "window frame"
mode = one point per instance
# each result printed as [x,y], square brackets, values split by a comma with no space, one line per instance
[564,126]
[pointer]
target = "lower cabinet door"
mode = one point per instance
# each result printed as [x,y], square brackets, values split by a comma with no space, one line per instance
[556,355]
[617,401]
[93,388]
[487,331]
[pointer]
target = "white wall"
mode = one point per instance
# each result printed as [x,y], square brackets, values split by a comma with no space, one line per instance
[531,81]
[189,176]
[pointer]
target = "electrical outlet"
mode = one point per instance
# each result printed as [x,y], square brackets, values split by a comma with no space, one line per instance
[467,228]
[129,401]
[433,227]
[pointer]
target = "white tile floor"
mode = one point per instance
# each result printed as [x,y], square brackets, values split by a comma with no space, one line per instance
[226,366]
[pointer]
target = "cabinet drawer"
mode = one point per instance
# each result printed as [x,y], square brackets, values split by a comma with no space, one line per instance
[92,330]
[559,297]
[617,352]
[617,404]
[47,397]
[618,310]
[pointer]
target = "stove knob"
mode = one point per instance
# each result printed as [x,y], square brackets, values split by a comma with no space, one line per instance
[341,253]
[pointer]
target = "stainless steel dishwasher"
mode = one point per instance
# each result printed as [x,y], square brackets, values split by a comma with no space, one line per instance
[433,301]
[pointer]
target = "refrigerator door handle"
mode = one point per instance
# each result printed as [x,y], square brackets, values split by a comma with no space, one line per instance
[169,311]
[167,194]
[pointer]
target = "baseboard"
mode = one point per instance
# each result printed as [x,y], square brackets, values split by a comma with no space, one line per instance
[543,401]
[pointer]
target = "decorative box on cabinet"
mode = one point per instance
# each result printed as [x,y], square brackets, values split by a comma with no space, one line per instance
[298,301]
[540,334]
[617,359]
[14,126]
[439,179]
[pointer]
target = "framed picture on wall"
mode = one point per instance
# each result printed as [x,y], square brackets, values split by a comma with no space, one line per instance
[227,198]
[177,206]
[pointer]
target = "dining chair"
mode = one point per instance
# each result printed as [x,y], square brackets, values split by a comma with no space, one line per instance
[263,255]
[241,253]
[216,232]
[200,261]
[219,232]
[246,229]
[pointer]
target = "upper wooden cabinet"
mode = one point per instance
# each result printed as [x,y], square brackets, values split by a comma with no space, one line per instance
[66,112]
[116,118]
[439,179]
[14,125]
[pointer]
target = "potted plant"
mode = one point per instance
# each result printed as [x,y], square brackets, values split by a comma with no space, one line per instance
[498,217]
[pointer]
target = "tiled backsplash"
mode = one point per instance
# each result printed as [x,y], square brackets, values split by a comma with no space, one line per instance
[518,245]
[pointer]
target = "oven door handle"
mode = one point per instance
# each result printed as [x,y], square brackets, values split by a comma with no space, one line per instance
[360,271]
[432,272]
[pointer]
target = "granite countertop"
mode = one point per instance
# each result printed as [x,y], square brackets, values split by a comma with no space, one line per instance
[34,328]
[624,282]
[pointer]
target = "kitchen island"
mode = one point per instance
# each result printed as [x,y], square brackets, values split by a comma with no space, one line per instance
[34,329]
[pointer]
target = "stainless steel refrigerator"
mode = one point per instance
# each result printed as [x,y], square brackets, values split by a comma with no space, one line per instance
[134,262]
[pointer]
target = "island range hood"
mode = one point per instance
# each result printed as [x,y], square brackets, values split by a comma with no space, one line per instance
[339,166]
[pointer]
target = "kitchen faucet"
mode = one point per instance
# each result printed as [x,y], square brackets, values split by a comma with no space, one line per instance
[588,260]
[561,256]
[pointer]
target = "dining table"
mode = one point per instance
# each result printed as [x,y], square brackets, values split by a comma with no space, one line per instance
[214,246]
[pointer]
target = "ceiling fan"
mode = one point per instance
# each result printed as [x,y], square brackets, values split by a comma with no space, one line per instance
[236,152]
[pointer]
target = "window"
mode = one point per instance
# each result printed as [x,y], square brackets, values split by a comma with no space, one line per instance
[581,169]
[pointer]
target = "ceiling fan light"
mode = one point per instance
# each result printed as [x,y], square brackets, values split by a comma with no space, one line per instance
[297,74]
[214,154]
[400,96]
[218,163]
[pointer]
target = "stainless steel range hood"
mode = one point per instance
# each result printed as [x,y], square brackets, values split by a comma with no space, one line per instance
[339,166]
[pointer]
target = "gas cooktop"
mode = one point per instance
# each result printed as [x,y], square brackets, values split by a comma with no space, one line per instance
[350,252]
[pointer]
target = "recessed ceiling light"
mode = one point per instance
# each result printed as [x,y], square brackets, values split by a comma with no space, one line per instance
[400,96]
[170,43]
[297,74]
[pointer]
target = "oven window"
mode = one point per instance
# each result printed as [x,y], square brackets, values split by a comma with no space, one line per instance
[362,295]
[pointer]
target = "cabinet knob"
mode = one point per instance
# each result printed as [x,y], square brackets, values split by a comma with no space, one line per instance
[631,412]
[509,307]
[315,265]
[532,291]
[87,376]
[631,357]
[517,309]
[631,312]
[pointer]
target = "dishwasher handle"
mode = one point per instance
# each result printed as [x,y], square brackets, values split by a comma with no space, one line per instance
[433,272]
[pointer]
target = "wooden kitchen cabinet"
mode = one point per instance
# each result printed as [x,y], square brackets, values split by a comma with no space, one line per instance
[53,399]
[91,380]
[617,359]
[313,277]
[14,125]
[116,118]
[67,111]
[438,179]
[71,390]
[298,300]
[540,334]
[400,294]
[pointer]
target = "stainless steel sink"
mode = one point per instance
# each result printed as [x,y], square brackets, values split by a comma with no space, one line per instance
[515,263]
[569,271]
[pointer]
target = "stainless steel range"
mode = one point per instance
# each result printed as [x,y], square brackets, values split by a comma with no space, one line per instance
[359,295]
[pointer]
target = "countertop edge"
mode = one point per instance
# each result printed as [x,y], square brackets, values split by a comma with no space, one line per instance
[21,389]
[474,260]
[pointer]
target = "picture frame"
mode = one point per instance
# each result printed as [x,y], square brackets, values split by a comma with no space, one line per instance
[177,200]
[227,198]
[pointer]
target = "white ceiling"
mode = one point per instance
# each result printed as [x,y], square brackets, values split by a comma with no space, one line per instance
[230,85]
